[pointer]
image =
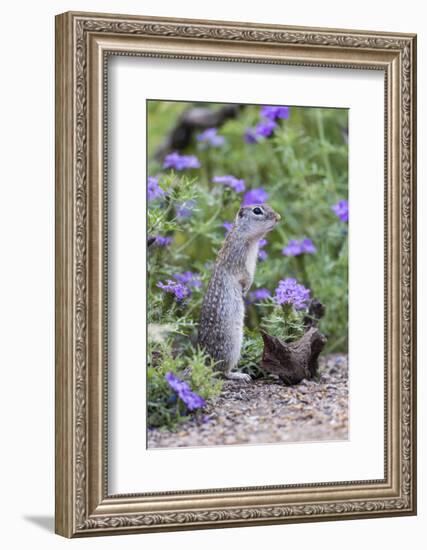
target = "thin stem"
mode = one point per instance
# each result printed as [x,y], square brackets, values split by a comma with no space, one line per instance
[300,260]
[323,142]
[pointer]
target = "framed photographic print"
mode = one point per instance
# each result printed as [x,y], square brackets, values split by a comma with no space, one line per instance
[235,274]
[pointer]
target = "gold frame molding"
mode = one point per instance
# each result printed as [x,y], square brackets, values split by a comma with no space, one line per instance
[83,43]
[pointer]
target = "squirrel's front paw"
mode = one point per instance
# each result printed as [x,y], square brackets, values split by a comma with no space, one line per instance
[238,376]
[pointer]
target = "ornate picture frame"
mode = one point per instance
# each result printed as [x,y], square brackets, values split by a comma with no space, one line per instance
[84,42]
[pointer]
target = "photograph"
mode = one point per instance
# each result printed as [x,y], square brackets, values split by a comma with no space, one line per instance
[233,346]
[247,274]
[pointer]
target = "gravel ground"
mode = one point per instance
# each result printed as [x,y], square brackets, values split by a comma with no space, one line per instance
[266,411]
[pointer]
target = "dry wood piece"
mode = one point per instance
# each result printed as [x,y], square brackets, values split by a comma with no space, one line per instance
[193,120]
[315,312]
[295,361]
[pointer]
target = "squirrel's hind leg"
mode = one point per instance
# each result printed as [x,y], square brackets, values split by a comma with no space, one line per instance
[232,355]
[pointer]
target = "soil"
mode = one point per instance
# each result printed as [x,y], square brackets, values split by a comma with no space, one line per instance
[267,411]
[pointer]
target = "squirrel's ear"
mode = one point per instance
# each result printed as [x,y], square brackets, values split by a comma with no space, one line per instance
[240,213]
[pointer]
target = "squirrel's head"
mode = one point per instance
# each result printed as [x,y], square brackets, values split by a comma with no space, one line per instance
[256,220]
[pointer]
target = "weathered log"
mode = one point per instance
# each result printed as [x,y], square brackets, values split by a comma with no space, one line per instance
[192,120]
[295,361]
[315,312]
[150,241]
[292,362]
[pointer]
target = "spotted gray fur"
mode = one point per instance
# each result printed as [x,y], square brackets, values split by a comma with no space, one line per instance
[223,309]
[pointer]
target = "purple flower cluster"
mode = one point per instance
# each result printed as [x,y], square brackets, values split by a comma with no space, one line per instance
[210,137]
[262,254]
[182,389]
[296,248]
[179,290]
[259,294]
[341,210]
[291,292]
[181,286]
[163,241]
[230,181]
[264,129]
[181,162]
[273,112]
[185,209]
[188,278]
[255,196]
[250,136]
[261,130]
[153,189]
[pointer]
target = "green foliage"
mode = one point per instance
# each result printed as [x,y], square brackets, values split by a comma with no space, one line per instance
[281,321]
[251,353]
[284,322]
[164,407]
[303,167]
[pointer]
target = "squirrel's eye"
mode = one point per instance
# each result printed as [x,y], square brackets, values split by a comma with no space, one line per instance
[257,211]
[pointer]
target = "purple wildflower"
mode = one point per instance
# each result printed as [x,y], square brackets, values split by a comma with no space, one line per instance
[307,246]
[260,294]
[262,130]
[210,137]
[230,181]
[272,112]
[341,210]
[192,400]
[163,241]
[188,278]
[292,249]
[296,248]
[185,209]
[255,196]
[291,292]
[181,162]
[175,383]
[153,189]
[265,129]
[251,136]
[179,290]
[182,389]
[228,226]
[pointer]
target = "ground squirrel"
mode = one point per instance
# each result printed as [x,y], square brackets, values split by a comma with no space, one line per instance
[221,320]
